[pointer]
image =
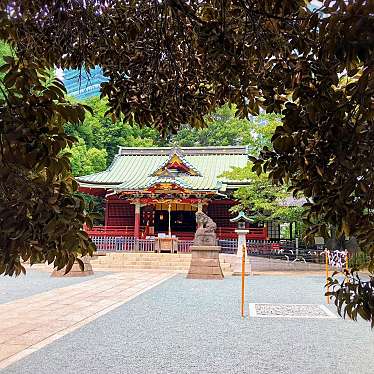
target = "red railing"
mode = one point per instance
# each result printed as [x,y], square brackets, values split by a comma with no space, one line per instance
[222,232]
[111,231]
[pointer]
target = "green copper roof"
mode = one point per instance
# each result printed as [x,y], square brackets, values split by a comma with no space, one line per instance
[132,168]
[241,217]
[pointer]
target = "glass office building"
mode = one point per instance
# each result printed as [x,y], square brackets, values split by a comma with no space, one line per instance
[84,85]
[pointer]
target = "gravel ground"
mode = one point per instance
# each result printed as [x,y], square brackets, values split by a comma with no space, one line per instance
[35,282]
[193,326]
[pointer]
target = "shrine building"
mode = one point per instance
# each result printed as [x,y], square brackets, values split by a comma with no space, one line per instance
[156,191]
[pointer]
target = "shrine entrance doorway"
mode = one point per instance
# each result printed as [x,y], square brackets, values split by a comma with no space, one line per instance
[180,221]
[180,217]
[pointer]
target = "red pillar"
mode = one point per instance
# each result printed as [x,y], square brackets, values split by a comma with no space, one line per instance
[137,221]
[106,217]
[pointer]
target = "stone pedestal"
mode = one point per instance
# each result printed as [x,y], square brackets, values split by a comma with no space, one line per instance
[75,270]
[205,263]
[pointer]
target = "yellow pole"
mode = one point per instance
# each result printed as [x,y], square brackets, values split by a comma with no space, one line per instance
[249,267]
[346,266]
[327,274]
[243,278]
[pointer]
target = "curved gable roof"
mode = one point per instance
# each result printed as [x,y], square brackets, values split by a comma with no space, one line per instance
[132,168]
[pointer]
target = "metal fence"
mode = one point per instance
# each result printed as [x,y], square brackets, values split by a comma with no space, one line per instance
[229,246]
[284,249]
[288,250]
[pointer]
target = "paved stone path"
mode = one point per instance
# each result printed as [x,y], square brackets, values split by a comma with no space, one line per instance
[188,326]
[29,324]
[36,281]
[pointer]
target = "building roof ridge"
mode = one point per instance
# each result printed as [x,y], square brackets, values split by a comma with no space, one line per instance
[123,151]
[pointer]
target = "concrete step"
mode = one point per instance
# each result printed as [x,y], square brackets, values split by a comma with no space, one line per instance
[181,269]
[179,262]
[136,270]
[140,264]
[142,260]
[168,263]
[151,266]
[148,256]
[145,254]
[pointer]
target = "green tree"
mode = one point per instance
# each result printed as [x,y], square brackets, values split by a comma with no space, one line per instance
[5,50]
[81,131]
[41,215]
[262,131]
[225,128]
[99,138]
[87,160]
[101,132]
[96,158]
[262,199]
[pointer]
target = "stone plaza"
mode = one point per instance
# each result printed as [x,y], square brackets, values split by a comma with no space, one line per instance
[161,322]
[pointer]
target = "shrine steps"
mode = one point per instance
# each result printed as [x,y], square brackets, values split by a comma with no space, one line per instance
[178,262]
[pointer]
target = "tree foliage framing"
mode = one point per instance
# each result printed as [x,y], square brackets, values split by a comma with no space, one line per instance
[41,217]
[171,62]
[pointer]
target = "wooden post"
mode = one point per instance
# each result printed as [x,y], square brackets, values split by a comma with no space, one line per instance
[106,217]
[249,267]
[169,216]
[243,280]
[327,274]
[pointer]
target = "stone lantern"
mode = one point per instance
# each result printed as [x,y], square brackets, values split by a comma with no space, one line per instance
[242,220]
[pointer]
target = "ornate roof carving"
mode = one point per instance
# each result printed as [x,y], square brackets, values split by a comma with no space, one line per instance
[175,164]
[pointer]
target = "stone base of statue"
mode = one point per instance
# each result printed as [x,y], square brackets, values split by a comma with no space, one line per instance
[76,270]
[205,262]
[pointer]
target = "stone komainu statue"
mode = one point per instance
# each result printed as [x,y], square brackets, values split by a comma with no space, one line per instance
[206,230]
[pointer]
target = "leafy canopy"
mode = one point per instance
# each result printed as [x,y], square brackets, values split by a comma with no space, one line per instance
[172,62]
